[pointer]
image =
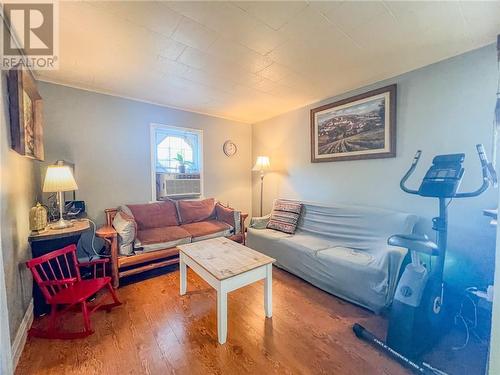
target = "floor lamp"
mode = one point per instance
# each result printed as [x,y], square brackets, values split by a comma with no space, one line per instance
[261,165]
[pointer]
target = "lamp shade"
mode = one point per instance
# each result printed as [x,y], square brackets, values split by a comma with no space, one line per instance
[261,164]
[59,178]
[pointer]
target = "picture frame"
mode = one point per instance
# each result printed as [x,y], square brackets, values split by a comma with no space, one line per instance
[356,128]
[26,111]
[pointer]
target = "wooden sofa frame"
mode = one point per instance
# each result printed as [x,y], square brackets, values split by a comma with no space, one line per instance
[122,266]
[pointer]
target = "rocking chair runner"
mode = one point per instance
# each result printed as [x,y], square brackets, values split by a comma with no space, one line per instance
[58,276]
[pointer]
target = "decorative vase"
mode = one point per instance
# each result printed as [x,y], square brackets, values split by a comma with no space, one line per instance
[38,218]
[182,168]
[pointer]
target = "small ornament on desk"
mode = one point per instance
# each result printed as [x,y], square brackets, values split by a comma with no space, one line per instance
[38,218]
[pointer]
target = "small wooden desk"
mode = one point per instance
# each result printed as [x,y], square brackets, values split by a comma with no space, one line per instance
[226,266]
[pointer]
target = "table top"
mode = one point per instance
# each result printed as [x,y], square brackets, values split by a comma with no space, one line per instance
[79,226]
[224,258]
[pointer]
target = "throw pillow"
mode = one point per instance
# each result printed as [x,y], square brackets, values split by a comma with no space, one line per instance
[195,211]
[228,216]
[126,228]
[154,215]
[285,216]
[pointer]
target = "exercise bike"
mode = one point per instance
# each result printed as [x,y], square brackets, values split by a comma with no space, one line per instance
[417,314]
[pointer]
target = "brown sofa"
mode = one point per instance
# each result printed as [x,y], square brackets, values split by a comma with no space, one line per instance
[161,226]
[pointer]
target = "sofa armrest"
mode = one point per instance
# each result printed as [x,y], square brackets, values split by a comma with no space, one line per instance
[260,222]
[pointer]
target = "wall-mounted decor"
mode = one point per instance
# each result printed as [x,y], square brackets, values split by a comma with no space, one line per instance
[25,105]
[360,127]
[229,148]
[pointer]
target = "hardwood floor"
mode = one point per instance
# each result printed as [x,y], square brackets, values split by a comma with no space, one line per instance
[156,331]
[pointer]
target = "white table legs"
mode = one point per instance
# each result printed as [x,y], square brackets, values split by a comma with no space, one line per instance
[222,315]
[268,291]
[183,275]
[223,287]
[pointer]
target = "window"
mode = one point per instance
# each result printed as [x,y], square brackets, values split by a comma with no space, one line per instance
[175,152]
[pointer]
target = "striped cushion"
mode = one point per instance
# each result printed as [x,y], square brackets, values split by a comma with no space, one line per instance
[285,216]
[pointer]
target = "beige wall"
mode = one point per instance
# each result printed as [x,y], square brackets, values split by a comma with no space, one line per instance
[108,139]
[18,195]
[443,108]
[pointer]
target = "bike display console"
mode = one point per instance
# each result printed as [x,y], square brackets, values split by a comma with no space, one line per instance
[443,177]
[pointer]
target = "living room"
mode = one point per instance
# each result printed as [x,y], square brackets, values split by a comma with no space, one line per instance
[245,177]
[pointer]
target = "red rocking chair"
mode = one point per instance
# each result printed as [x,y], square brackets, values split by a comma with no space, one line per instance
[58,276]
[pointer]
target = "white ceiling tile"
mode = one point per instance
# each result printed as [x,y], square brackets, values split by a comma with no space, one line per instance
[194,58]
[379,34]
[275,72]
[231,51]
[483,17]
[212,64]
[99,24]
[265,85]
[219,16]
[194,34]
[325,6]
[231,22]
[169,67]
[351,14]
[172,49]
[273,13]
[152,15]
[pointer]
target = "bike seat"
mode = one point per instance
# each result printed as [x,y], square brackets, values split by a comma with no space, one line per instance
[414,242]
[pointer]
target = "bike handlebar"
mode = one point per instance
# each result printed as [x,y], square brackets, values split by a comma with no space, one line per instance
[409,173]
[488,176]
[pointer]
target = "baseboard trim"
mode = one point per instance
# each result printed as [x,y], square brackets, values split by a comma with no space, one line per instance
[21,335]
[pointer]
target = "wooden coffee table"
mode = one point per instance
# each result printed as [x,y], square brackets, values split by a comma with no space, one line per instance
[226,266]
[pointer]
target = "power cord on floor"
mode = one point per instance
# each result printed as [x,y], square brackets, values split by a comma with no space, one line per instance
[469,325]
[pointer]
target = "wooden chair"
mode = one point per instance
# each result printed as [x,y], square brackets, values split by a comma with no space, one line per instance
[58,276]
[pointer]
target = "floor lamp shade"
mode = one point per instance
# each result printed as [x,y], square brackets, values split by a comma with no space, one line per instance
[261,165]
[59,178]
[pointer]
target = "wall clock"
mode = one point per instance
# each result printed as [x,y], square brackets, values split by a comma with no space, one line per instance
[229,148]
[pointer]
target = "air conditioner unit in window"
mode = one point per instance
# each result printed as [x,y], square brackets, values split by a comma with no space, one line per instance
[177,185]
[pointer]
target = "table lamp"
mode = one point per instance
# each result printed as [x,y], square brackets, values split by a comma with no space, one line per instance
[261,165]
[59,178]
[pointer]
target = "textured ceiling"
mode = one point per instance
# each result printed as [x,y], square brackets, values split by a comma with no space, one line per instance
[250,61]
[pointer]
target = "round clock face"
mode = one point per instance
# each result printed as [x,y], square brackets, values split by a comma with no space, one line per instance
[229,148]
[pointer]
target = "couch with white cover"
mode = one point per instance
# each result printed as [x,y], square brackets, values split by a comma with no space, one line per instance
[341,249]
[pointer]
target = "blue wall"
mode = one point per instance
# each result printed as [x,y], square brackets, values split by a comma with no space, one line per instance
[442,108]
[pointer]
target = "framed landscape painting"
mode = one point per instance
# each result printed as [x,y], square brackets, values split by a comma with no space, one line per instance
[361,127]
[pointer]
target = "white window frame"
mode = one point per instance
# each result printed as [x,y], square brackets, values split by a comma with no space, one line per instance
[152,144]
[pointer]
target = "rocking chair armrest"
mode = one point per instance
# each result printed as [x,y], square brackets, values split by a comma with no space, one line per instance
[92,262]
[59,282]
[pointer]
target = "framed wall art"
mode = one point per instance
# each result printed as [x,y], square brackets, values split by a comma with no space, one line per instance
[360,127]
[25,107]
